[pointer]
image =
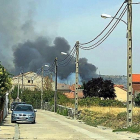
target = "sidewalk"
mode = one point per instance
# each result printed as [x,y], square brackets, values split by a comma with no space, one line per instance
[7,129]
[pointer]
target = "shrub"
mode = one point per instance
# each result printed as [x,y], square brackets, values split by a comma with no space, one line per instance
[122,116]
[95,101]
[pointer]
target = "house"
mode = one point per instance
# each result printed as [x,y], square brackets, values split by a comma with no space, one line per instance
[136,83]
[71,94]
[121,93]
[31,81]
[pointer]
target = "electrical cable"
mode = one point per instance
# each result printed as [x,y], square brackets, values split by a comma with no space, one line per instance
[67,55]
[68,61]
[107,34]
[105,27]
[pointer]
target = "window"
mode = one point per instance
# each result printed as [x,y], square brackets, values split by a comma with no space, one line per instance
[28,81]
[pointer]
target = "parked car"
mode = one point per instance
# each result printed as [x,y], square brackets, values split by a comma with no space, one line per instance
[13,105]
[23,112]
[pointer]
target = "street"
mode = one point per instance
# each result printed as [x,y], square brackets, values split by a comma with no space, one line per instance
[52,126]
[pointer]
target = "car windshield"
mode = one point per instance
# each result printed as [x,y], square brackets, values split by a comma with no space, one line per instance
[23,108]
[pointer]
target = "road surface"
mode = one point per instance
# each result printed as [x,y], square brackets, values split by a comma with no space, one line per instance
[52,126]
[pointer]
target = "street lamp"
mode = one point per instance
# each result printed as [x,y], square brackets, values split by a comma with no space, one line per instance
[76,78]
[42,69]
[109,16]
[129,59]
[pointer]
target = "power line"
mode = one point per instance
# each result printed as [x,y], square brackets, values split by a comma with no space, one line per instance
[68,60]
[105,27]
[107,34]
[67,55]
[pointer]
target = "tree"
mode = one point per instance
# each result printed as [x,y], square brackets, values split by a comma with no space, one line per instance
[5,80]
[98,87]
[14,92]
[5,84]
[137,100]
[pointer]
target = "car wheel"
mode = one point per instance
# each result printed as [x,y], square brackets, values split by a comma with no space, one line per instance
[13,121]
[33,122]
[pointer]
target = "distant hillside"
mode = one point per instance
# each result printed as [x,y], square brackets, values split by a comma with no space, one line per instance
[116,79]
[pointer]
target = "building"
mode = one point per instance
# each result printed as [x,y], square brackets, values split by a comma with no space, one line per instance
[31,81]
[121,93]
[71,94]
[136,84]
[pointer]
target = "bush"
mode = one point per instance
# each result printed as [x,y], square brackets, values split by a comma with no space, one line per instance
[122,116]
[137,100]
[32,97]
[95,101]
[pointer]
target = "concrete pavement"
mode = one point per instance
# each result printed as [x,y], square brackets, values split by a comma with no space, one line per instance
[7,129]
[51,126]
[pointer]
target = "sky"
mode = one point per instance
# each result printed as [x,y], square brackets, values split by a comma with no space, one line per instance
[77,20]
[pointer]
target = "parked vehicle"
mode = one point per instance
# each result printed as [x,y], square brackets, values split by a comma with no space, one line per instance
[23,112]
[13,105]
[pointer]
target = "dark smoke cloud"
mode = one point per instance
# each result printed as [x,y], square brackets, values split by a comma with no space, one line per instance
[32,55]
[22,48]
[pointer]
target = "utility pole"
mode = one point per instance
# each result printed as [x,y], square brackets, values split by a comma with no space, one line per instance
[76,80]
[22,85]
[42,89]
[18,90]
[55,95]
[129,63]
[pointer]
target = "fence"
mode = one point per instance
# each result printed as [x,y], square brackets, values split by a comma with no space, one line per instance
[60,109]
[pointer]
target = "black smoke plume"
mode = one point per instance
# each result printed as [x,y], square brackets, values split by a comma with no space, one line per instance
[23,48]
[31,55]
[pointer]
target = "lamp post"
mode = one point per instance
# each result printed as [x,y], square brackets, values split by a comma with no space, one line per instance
[76,79]
[42,70]
[129,59]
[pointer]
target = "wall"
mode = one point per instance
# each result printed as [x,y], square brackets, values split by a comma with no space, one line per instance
[121,94]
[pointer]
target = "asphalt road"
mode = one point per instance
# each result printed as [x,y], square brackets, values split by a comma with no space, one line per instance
[51,126]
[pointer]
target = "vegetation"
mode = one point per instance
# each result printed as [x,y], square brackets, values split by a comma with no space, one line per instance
[98,87]
[112,117]
[5,83]
[14,92]
[34,97]
[96,101]
[5,80]
[137,100]
[94,110]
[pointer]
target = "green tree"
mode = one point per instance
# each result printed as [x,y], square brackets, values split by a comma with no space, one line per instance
[5,81]
[137,100]
[14,92]
[98,87]
[5,84]
[32,97]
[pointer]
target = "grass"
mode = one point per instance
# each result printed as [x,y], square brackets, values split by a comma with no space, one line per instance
[113,117]
[134,129]
[112,110]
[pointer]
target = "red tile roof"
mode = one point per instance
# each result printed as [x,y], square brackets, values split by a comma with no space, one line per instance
[135,77]
[71,94]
